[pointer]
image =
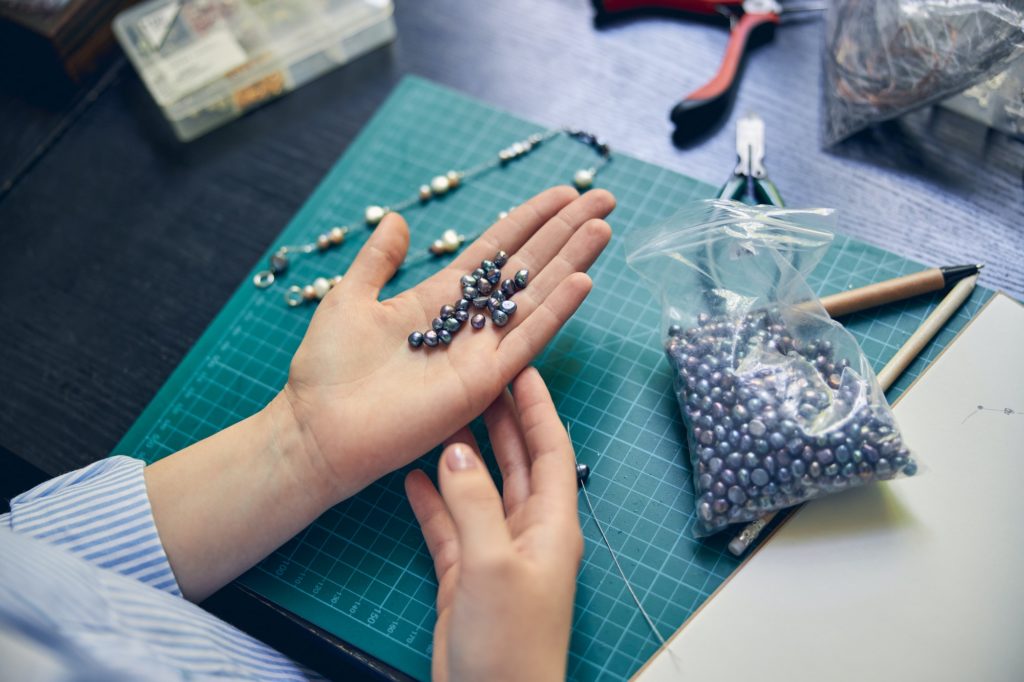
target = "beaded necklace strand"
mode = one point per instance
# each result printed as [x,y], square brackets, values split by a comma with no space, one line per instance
[450,240]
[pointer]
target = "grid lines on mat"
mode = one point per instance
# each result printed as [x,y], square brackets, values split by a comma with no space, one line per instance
[362,571]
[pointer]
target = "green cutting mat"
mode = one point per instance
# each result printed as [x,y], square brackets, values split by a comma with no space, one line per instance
[362,571]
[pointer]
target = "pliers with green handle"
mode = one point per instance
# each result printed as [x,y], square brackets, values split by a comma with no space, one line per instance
[750,177]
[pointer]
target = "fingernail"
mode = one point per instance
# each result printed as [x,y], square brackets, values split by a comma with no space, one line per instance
[460,458]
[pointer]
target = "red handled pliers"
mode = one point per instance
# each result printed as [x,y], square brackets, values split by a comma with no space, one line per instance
[752,22]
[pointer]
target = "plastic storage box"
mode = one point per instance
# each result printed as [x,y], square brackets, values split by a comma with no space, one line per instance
[207,62]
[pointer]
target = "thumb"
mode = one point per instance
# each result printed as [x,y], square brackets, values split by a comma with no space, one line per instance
[473,501]
[380,257]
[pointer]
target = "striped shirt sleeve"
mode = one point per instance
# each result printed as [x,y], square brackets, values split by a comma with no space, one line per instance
[100,513]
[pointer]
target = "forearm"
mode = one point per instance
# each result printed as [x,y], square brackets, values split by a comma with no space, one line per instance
[224,503]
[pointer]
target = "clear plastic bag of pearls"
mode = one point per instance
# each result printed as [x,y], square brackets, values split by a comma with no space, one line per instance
[779,402]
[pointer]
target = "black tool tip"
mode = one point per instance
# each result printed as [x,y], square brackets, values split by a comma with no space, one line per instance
[951,274]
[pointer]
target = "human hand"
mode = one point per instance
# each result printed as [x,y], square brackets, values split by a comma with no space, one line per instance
[506,574]
[365,403]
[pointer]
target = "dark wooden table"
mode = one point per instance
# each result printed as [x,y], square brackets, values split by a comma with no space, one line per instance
[119,245]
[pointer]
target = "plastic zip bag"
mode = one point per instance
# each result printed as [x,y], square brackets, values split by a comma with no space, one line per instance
[884,58]
[779,402]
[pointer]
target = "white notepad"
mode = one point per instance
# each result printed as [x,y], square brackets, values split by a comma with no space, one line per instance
[916,579]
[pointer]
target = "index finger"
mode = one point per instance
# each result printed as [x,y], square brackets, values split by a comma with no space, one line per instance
[552,469]
[515,229]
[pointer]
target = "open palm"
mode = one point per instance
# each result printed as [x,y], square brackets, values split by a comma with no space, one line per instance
[506,564]
[368,402]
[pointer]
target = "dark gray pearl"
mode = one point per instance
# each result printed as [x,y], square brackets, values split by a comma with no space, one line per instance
[430,338]
[734,460]
[452,324]
[508,287]
[582,475]
[799,468]
[728,476]
[715,465]
[478,321]
[704,511]
[777,440]
[508,307]
[278,263]
[720,506]
[478,273]
[736,495]
[761,446]
[499,318]
[750,460]
[910,468]
[462,304]
[416,339]
[468,281]
[487,265]
[675,330]
[498,296]
[481,301]
[493,304]
[461,315]
[500,259]
[704,481]
[469,293]
[743,477]
[437,324]
[447,311]
[484,287]
[521,278]
[444,336]
[757,428]
[493,277]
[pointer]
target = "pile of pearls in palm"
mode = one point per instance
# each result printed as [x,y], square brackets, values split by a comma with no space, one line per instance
[482,289]
[774,419]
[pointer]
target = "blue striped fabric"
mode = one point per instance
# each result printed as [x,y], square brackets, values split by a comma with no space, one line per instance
[85,585]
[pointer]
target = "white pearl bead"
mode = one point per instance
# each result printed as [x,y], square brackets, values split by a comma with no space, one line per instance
[451,240]
[437,248]
[583,179]
[425,193]
[374,214]
[454,178]
[336,235]
[321,285]
[439,185]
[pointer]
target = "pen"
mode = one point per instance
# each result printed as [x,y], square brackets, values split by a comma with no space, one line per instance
[898,289]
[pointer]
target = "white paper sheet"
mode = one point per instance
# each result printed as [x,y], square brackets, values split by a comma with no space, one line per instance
[916,579]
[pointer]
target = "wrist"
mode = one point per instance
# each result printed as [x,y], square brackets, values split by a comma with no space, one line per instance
[295,447]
